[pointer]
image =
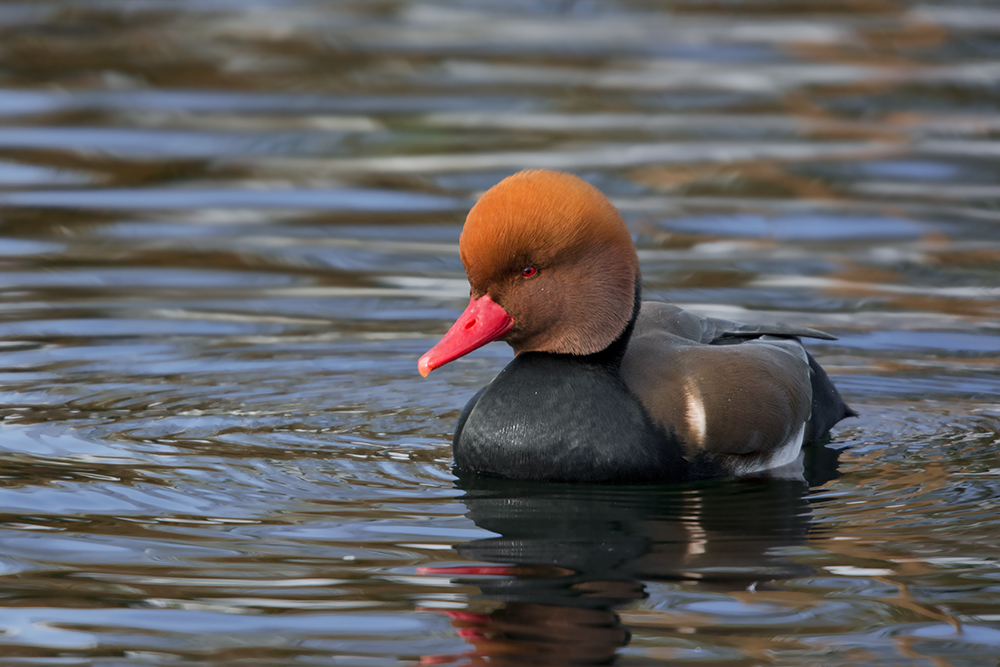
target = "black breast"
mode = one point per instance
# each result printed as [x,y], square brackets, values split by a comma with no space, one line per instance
[563,418]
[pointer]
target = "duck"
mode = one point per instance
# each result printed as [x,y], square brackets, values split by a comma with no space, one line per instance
[604,387]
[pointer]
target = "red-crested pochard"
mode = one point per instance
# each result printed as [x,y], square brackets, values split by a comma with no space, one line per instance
[605,387]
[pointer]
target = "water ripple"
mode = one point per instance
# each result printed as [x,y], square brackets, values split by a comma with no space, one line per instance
[228,232]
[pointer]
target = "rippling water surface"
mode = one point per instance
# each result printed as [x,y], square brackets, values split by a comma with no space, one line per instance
[228,230]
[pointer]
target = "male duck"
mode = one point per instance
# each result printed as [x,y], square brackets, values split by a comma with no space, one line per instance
[606,387]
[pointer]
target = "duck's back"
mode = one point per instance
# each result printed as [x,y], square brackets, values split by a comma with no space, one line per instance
[745,397]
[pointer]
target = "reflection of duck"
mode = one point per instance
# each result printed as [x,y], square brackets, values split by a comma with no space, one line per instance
[606,387]
[571,554]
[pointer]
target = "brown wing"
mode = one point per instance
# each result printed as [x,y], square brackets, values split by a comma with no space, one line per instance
[747,400]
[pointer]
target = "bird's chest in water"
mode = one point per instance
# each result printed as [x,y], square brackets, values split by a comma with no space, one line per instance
[549,420]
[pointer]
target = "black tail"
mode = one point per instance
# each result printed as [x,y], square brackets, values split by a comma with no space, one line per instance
[828,407]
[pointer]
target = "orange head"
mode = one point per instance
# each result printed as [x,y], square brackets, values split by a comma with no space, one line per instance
[557,264]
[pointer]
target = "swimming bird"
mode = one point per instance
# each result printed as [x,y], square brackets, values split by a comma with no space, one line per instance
[605,387]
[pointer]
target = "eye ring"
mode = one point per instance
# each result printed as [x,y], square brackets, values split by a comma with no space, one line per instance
[528,271]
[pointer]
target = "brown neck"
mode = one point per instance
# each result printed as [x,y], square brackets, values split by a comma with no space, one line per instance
[612,355]
[580,304]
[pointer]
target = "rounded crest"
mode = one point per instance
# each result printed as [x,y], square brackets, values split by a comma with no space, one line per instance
[536,213]
[576,249]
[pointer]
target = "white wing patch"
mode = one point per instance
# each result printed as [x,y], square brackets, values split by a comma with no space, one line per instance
[696,418]
[784,454]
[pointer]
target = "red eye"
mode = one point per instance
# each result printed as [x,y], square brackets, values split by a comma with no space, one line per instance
[528,271]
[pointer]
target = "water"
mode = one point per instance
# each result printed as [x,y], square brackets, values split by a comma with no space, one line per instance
[229,229]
